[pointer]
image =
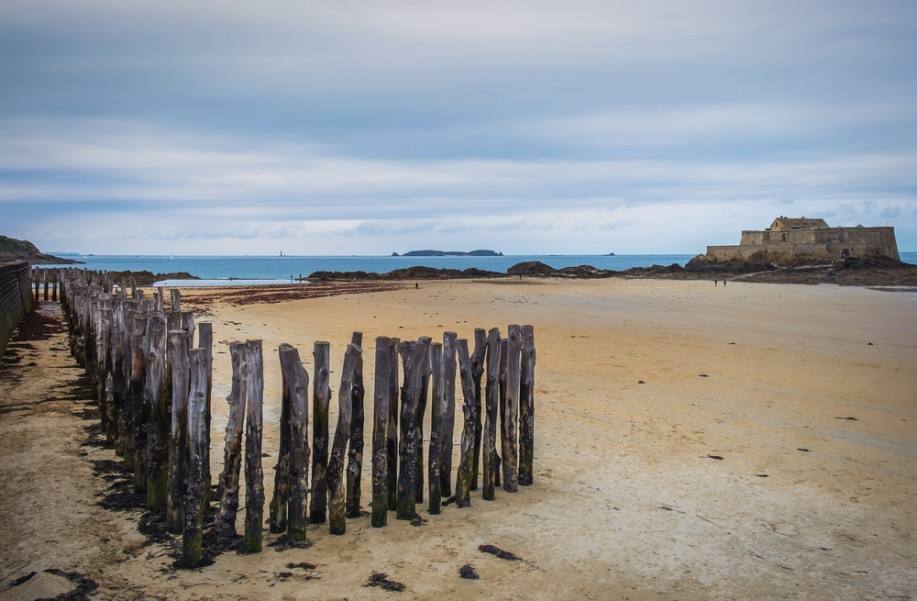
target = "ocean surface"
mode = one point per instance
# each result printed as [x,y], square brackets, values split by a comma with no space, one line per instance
[286,267]
[261,269]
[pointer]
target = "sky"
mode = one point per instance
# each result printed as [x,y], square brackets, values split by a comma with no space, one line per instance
[546,127]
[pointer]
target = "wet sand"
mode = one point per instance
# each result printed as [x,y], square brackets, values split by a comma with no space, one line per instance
[692,442]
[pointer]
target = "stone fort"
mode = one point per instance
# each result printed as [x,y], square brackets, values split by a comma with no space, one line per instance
[800,236]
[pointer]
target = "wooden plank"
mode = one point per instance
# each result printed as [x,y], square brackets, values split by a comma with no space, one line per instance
[492,392]
[392,452]
[527,408]
[193,510]
[253,391]
[435,505]
[334,475]
[380,432]
[463,479]
[448,399]
[232,454]
[477,372]
[511,410]
[296,385]
[357,424]
[160,423]
[178,441]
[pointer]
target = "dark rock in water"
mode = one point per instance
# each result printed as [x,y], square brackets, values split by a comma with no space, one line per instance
[416,272]
[148,278]
[531,269]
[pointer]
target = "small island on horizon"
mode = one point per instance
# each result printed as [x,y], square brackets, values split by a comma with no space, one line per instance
[450,253]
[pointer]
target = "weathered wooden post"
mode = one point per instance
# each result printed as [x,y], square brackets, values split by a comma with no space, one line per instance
[321,397]
[277,520]
[296,385]
[500,411]
[448,397]
[103,347]
[175,298]
[407,478]
[54,284]
[392,453]
[253,390]
[232,455]
[357,422]
[435,505]
[466,457]
[334,476]
[477,371]
[178,442]
[44,280]
[527,408]
[421,412]
[138,446]
[510,410]
[194,500]
[117,366]
[380,430]
[492,393]
[205,341]
[187,324]
[155,391]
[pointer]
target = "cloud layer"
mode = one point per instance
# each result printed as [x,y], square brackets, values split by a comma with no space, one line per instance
[362,128]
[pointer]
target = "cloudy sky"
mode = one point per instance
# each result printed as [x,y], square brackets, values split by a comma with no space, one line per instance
[582,126]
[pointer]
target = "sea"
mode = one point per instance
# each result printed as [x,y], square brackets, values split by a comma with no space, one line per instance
[241,270]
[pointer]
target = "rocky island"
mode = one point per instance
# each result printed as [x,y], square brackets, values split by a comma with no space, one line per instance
[450,253]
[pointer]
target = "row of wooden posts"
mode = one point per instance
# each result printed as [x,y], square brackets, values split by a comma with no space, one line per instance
[46,279]
[154,389]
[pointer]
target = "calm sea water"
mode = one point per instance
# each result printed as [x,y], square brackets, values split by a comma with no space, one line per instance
[283,268]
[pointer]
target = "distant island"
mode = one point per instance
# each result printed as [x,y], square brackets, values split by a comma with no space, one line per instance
[449,253]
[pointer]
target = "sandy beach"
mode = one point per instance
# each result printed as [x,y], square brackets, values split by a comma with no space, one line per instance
[749,441]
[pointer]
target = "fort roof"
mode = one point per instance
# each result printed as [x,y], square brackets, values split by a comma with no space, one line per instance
[797,223]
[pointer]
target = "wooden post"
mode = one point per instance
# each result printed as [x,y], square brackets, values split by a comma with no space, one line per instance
[511,410]
[194,505]
[421,409]
[205,341]
[175,305]
[492,393]
[477,371]
[391,431]
[138,403]
[321,397]
[253,390]
[157,485]
[178,442]
[44,280]
[466,456]
[187,324]
[435,505]
[277,521]
[117,366]
[54,283]
[334,476]
[448,433]
[380,430]
[232,455]
[103,346]
[498,465]
[527,408]
[407,478]
[357,422]
[296,386]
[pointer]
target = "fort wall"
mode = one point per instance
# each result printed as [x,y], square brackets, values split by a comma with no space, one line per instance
[830,243]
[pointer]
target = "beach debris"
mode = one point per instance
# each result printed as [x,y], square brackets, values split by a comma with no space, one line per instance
[762,475]
[417,520]
[498,552]
[640,382]
[803,449]
[848,418]
[717,457]
[302,565]
[22,579]
[666,508]
[467,572]
[704,375]
[381,580]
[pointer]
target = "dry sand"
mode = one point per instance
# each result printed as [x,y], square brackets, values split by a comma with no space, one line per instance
[692,442]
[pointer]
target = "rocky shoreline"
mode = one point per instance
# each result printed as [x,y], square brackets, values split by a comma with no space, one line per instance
[873,271]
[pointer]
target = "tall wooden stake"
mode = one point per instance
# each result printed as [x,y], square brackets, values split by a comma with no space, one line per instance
[253,390]
[277,520]
[232,454]
[477,371]
[156,393]
[391,431]
[335,474]
[321,397]
[178,441]
[194,507]
[448,399]
[466,456]
[407,478]
[421,412]
[527,408]
[357,422]
[492,393]
[296,385]
[380,431]
[435,505]
[510,410]
[205,341]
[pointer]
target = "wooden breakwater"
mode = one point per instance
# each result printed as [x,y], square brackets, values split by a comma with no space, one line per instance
[15,298]
[153,382]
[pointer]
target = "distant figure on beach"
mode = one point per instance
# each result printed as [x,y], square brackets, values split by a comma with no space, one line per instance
[716,282]
[416,285]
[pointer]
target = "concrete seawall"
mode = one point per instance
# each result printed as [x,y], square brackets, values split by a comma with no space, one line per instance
[15,298]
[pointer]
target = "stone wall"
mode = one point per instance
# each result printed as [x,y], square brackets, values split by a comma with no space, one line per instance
[15,298]
[822,243]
